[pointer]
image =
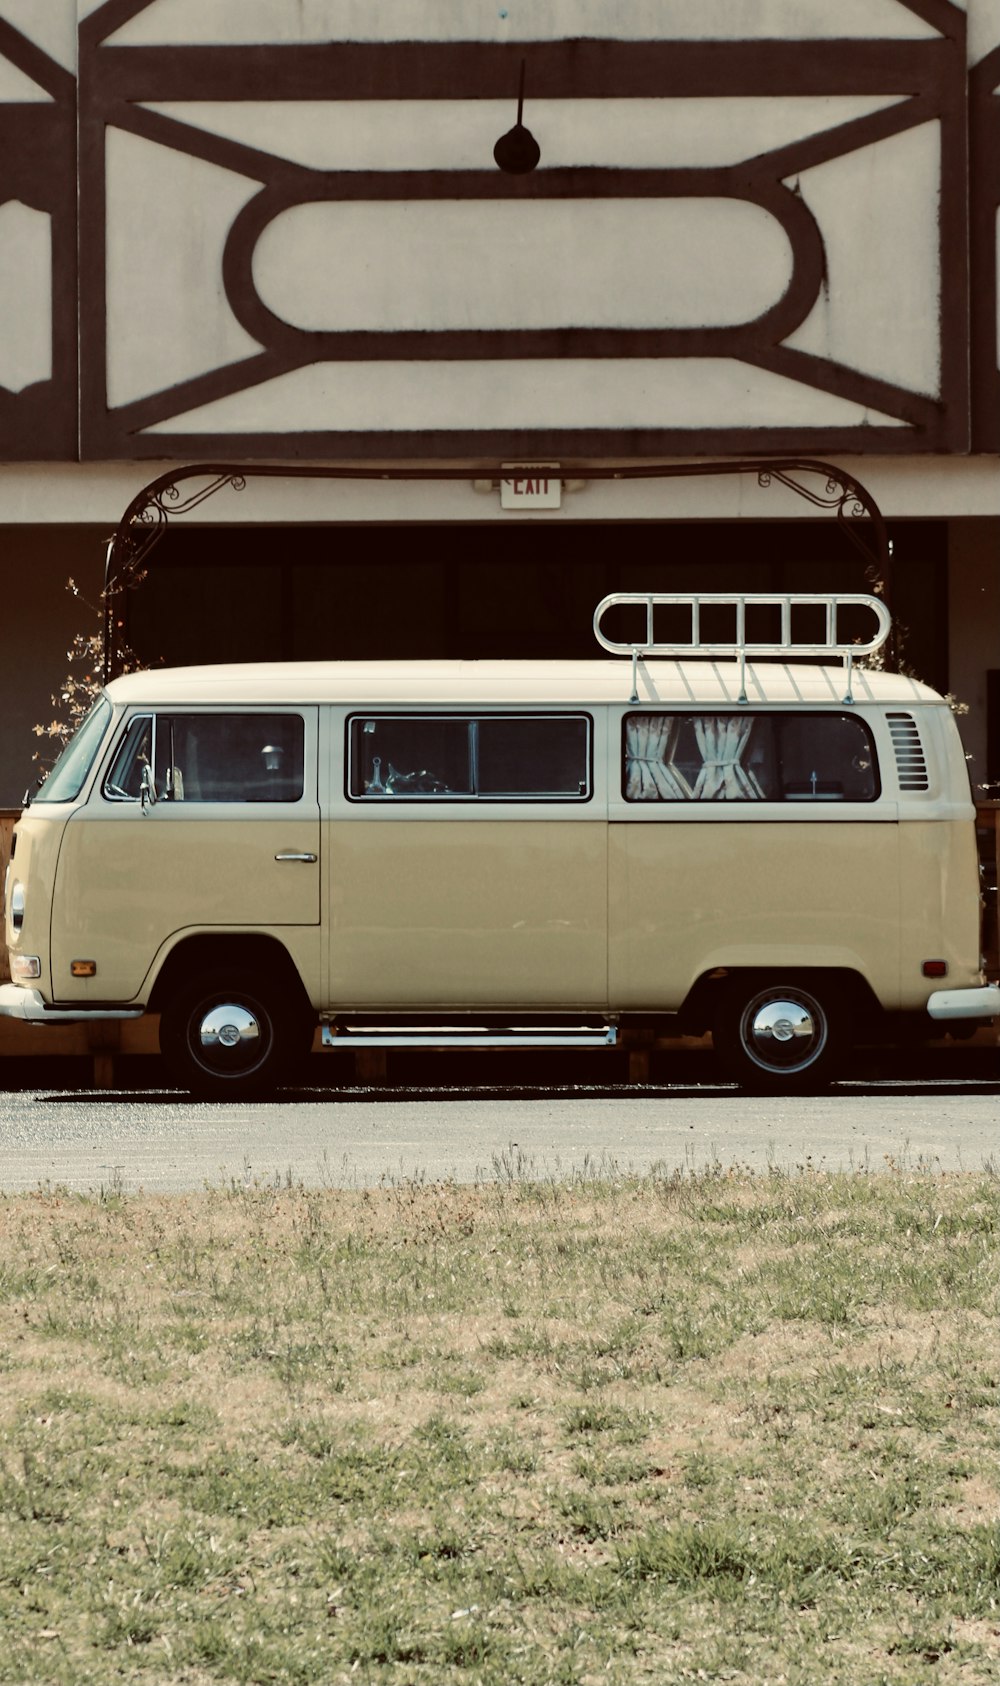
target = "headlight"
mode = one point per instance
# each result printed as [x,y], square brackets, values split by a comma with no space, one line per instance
[17,907]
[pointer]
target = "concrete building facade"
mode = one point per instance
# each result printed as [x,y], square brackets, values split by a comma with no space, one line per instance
[276,231]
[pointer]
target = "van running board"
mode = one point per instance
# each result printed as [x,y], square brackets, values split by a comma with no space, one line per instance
[477,1036]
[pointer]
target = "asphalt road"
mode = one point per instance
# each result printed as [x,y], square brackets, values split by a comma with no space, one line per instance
[944,1115]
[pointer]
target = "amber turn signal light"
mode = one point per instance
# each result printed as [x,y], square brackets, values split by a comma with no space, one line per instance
[83,968]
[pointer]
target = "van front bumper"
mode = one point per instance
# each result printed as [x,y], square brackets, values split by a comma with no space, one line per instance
[981,1003]
[16,1002]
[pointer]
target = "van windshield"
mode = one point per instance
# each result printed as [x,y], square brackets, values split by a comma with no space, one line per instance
[69,774]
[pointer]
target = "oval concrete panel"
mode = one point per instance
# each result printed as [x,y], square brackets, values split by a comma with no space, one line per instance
[538,263]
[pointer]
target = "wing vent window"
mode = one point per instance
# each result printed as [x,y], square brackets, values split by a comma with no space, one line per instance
[911,764]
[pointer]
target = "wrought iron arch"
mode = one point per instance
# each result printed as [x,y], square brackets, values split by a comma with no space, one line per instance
[146,519]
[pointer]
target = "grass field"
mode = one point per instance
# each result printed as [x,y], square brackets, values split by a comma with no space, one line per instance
[611,1429]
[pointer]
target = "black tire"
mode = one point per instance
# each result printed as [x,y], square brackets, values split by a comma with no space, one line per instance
[229,1035]
[779,1036]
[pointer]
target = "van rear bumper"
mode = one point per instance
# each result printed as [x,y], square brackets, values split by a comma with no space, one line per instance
[981,1003]
[16,1002]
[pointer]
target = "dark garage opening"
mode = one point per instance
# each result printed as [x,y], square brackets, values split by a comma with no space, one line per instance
[495,590]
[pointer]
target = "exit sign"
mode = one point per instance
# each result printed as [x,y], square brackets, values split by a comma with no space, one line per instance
[530,487]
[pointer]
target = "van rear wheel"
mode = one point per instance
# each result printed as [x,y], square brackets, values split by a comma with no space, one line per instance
[228,1035]
[778,1036]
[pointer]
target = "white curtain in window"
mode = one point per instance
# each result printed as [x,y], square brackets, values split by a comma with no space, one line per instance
[721,740]
[650,741]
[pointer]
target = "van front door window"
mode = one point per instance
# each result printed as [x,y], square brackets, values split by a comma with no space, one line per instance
[196,758]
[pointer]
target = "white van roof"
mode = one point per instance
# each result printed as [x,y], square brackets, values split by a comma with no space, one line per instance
[514,683]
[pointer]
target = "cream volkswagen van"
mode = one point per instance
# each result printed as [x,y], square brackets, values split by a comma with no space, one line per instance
[755,836]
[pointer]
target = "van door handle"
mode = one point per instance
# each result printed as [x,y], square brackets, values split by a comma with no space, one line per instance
[291,856]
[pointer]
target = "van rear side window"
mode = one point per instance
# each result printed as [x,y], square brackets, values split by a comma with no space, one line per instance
[210,758]
[490,757]
[748,758]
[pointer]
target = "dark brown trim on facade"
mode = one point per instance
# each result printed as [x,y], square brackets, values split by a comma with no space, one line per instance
[112,16]
[984,176]
[43,71]
[116,80]
[953,247]
[488,447]
[38,169]
[940,14]
[418,70]
[93,266]
[825,376]
[303,347]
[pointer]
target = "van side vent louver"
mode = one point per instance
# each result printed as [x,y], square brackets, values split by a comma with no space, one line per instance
[910,763]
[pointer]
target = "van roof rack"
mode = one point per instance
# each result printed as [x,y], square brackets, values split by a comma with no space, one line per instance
[742,646]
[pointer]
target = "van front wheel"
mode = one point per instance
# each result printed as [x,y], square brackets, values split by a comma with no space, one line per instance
[778,1037]
[226,1036]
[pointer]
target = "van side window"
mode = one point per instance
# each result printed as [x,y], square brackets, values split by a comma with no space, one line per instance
[496,758]
[748,758]
[211,758]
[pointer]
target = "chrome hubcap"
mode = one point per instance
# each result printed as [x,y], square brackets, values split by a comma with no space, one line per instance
[229,1037]
[784,1032]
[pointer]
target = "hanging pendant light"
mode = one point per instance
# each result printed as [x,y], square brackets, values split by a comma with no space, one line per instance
[517,152]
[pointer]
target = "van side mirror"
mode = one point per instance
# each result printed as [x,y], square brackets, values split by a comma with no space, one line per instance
[147,789]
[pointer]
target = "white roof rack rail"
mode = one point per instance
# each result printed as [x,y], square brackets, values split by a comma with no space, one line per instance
[741,646]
